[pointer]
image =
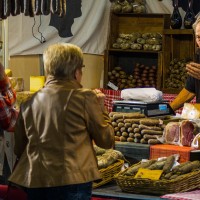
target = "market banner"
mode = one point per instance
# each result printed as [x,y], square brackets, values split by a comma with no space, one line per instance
[85,24]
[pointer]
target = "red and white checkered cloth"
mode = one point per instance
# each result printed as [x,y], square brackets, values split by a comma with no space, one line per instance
[112,95]
[192,195]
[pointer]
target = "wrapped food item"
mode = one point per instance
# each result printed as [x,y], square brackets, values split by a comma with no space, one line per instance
[22,97]
[191,111]
[17,83]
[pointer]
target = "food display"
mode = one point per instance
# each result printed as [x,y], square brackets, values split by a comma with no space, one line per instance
[180,133]
[141,76]
[176,73]
[135,127]
[128,6]
[161,176]
[139,41]
[110,162]
[107,157]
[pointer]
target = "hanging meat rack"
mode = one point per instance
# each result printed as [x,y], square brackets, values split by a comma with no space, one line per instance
[32,7]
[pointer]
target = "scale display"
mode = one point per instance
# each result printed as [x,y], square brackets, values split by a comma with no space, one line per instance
[148,109]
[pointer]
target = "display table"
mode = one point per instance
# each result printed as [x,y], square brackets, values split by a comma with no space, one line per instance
[113,191]
[133,152]
[164,150]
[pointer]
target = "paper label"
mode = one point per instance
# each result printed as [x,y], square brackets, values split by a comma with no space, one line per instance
[113,86]
[149,174]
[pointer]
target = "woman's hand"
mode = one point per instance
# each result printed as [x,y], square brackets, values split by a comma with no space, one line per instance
[100,96]
[193,69]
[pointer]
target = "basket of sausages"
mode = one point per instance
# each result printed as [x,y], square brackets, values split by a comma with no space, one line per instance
[110,163]
[160,176]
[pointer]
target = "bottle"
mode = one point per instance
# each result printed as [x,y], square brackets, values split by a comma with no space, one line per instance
[176,20]
[189,18]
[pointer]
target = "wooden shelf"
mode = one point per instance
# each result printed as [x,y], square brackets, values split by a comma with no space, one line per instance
[134,51]
[178,31]
[176,43]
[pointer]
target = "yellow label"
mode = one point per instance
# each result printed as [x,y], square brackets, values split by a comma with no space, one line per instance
[149,174]
[36,83]
[8,72]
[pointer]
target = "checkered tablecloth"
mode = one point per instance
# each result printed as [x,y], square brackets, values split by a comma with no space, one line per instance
[192,195]
[112,95]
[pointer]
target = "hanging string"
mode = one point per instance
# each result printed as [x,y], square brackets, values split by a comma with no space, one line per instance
[42,38]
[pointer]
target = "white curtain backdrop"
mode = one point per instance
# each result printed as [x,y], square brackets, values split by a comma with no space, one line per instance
[89,31]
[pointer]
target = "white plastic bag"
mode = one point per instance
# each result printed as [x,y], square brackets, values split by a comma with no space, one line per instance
[142,94]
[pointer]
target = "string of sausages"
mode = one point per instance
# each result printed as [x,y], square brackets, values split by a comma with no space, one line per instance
[32,7]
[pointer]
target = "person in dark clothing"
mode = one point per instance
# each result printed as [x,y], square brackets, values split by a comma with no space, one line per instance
[192,86]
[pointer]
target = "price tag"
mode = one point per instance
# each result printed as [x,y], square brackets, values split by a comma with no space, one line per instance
[149,174]
[113,86]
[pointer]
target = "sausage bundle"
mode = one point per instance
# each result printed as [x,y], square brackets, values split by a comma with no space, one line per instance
[32,7]
[135,127]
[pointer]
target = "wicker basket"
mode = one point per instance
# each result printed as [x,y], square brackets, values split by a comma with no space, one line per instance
[182,183]
[108,173]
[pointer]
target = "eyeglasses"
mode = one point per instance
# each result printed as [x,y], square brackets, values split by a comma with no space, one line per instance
[198,37]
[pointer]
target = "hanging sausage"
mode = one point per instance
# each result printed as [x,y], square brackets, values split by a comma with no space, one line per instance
[45,7]
[15,7]
[32,7]
[37,10]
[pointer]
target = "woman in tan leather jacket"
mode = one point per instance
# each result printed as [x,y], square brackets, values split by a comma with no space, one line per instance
[55,131]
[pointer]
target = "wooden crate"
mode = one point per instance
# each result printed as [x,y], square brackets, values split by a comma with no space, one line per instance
[180,44]
[129,23]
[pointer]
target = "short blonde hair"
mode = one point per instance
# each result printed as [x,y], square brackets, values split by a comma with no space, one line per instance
[195,23]
[62,60]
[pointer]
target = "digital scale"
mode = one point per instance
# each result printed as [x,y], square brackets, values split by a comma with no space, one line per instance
[152,109]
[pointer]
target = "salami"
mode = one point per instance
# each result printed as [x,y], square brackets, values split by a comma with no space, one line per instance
[7,8]
[21,5]
[45,7]
[32,8]
[38,7]
[64,6]
[15,7]
[55,5]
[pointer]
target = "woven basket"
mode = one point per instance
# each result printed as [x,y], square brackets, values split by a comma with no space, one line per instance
[182,183]
[108,173]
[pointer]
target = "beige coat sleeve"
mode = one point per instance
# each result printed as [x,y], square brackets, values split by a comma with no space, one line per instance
[98,122]
[20,137]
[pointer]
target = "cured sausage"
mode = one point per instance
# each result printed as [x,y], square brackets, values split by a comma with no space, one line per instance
[15,7]
[1,9]
[55,5]
[45,7]
[7,8]
[38,9]
[64,8]
[32,8]
[26,7]
[21,5]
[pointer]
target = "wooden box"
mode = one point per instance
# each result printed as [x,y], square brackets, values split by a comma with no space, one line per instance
[128,58]
[177,44]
